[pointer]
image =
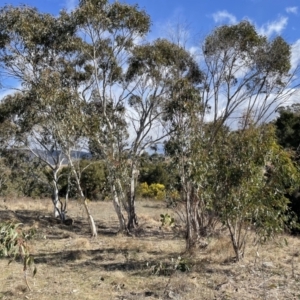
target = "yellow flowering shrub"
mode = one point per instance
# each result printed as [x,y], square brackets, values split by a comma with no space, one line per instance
[154,191]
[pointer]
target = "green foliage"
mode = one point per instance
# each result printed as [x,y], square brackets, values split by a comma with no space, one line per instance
[242,37]
[153,191]
[268,56]
[26,176]
[13,241]
[35,29]
[182,264]
[153,58]
[13,244]
[172,197]
[113,17]
[274,57]
[288,127]
[294,211]
[94,179]
[245,195]
[5,173]
[167,268]
[152,172]
[166,220]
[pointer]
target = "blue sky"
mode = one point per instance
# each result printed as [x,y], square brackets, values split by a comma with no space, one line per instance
[271,17]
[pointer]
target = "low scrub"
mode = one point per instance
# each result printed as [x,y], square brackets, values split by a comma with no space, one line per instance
[154,191]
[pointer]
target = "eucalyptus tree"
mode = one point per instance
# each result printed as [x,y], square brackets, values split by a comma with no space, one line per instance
[188,151]
[71,135]
[245,77]
[152,69]
[24,58]
[109,32]
[245,73]
[252,175]
[5,170]
[33,43]
[36,138]
[41,54]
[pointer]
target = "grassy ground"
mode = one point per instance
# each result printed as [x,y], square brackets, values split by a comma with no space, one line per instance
[73,266]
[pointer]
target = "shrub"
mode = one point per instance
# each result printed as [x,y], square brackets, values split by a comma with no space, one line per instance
[166,220]
[93,180]
[154,191]
[172,197]
[153,172]
[13,244]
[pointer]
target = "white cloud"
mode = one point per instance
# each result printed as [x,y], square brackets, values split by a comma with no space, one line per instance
[223,16]
[193,50]
[292,10]
[275,27]
[295,94]
[295,59]
[70,5]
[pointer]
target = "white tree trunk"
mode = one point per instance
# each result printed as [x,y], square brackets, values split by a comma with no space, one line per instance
[56,205]
[88,213]
[118,208]
[132,218]
[90,219]
[55,197]
[83,200]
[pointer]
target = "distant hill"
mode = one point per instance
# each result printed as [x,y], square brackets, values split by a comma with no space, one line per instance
[50,156]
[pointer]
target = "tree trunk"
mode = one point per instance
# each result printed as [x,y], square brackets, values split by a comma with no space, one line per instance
[118,208]
[122,195]
[56,204]
[238,253]
[88,213]
[55,197]
[132,217]
[238,244]
[189,227]
[193,227]
[90,218]
[83,200]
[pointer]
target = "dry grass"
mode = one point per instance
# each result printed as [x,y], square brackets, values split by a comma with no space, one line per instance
[73,266]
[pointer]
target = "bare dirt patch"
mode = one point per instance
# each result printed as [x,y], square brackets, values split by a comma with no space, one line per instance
[73,266]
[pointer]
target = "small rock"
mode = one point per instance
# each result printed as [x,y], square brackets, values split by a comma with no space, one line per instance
[172,295]
[267,264]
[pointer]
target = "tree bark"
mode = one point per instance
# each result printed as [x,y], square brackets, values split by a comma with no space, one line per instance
[193,237]
[132,217]
[55,197]
[118,208]
[83,200]
[88,213]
